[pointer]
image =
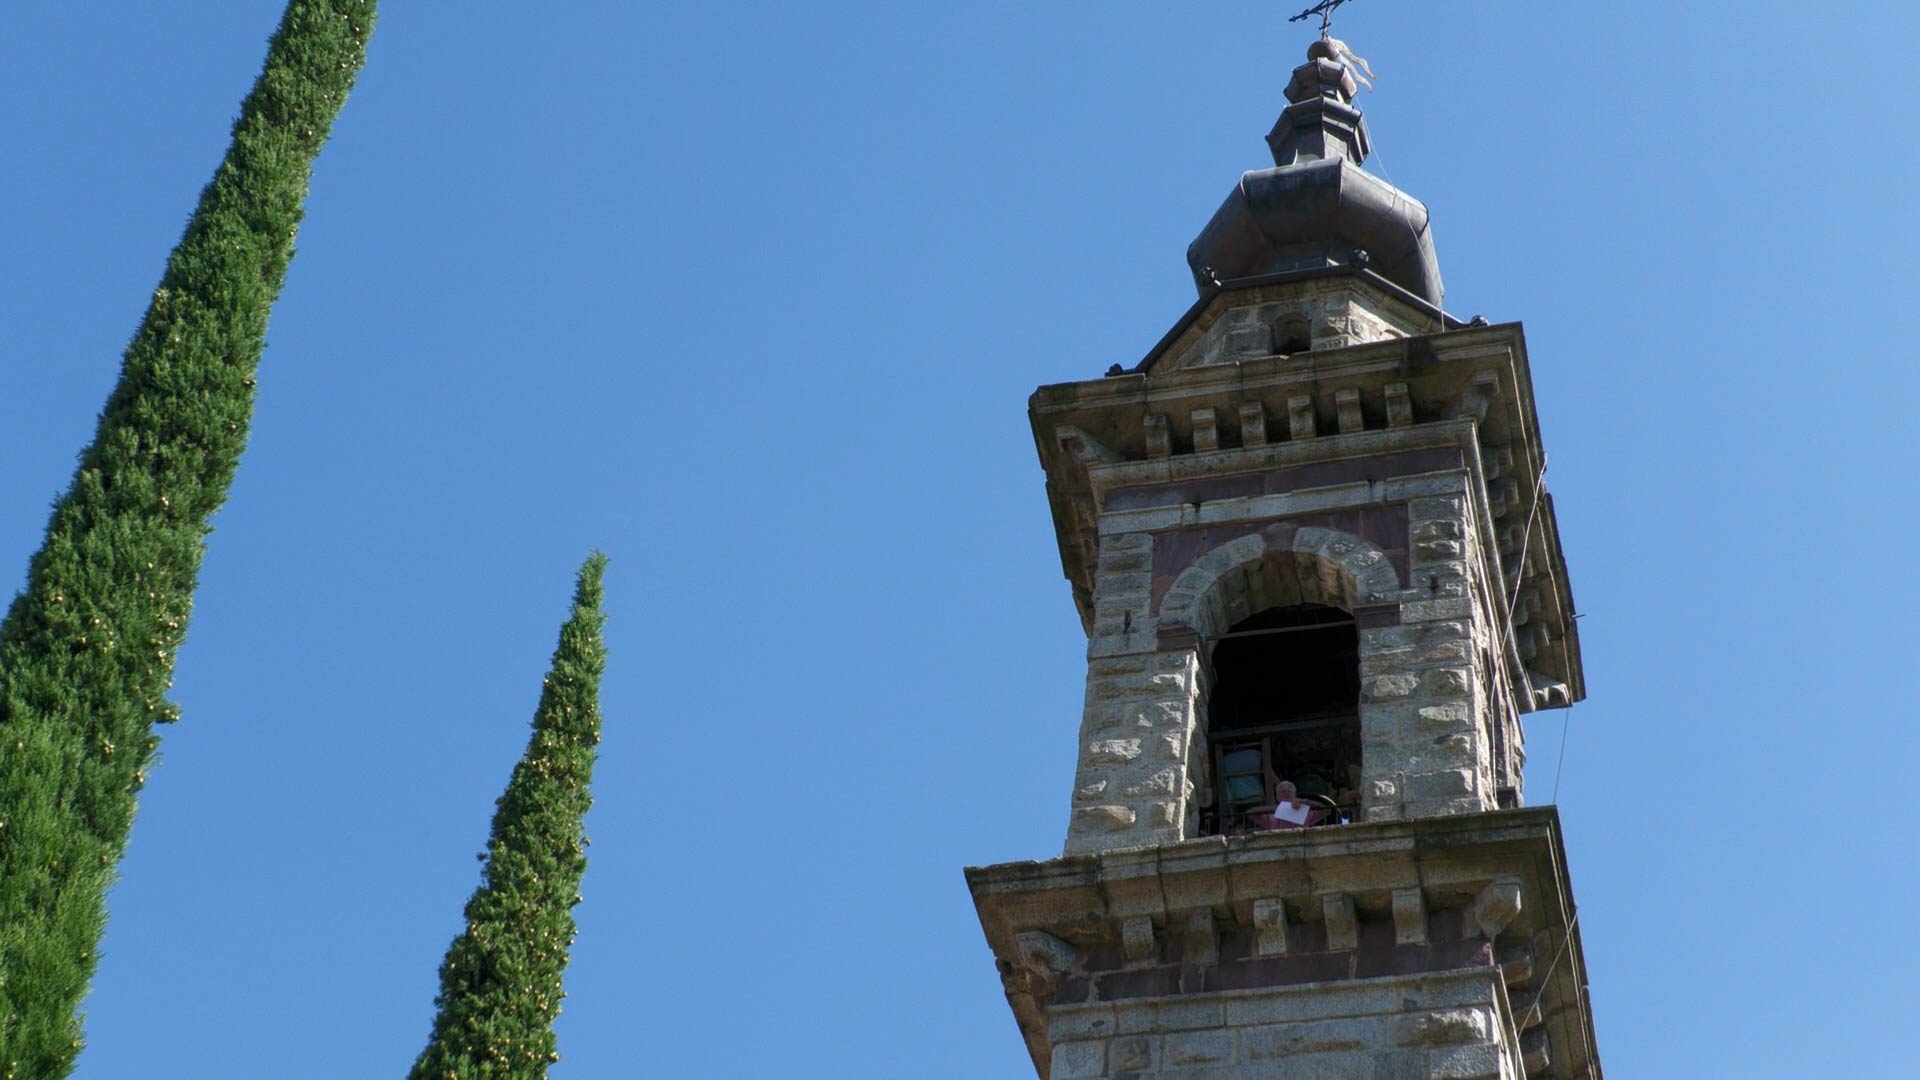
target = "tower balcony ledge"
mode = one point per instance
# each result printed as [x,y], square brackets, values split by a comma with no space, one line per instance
[1277,912]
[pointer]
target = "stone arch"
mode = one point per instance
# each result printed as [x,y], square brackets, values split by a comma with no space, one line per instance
[1279,566]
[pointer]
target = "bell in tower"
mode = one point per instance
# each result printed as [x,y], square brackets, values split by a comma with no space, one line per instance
[1318,568]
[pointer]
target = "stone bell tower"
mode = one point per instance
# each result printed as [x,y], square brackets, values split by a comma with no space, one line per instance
[1321,580]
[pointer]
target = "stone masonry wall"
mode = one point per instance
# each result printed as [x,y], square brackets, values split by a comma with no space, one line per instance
[1428,703]
[1445,1026]
[1428,745]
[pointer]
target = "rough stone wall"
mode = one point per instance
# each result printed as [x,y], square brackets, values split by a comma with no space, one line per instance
[1429,717]
[1446,1026]
[1327,315]
[1138,744]
[1432,715]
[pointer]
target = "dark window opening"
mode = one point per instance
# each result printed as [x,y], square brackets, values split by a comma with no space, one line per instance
[1292,335]
[1284,709]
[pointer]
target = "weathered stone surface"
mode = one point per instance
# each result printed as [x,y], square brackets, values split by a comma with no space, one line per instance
[1494,909]
[1206,431]
[1162,782]
[1479,1062]
[1449,1028]
[1446,682]
[1202,939]
[1270,924]
[1343,929]
[1289,1040]
[1113,752]
[1133,1055]
[1105,818]
[1300,418]
[1253,425]
[1138,939]
[1347,408]
[1200,1048]
[1079,1060]
[1045,955]
[1409,916]
[1440,785]
[1190,1015]
[1390,687]
[1082,1024]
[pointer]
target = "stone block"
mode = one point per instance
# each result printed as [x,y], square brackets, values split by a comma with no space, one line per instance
[1435,610]
[1253,425]
[1444,683]
[1201,939]
[1329,1002]
[1399,405]
[1136,936]
[1343,928]
[1300,418]
[1444,652]
[1135,1055]
[1445,528]
[1452,1027]
[1079,1060]
[1444,509]
[1105,818]
[1136,1019]
[1163,782]
[1270,923]
[1206,431]
[1159,443]
[1389,687]
[1191,1015]
[1445,784]
[1444,719]
[1069,1025]
[1046,956]
[1113,752]
[1199,1048]
[1347,408]
[1409,917]
[1496,906]
[1478,1062]
[1314,1037]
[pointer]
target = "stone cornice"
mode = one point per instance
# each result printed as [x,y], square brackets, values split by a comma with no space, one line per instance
[1057,924]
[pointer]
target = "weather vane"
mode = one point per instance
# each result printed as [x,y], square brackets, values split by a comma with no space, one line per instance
[1342,55]
[1324,9]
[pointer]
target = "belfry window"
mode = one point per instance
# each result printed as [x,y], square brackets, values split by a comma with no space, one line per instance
[1284,709]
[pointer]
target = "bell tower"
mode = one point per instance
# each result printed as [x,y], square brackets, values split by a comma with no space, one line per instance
[1318,568]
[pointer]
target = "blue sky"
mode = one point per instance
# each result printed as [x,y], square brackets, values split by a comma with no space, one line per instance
[752,297]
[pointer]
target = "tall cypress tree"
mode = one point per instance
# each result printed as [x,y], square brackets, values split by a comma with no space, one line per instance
[87,649]
[500,981]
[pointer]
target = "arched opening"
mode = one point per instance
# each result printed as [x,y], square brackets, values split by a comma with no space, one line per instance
[1284,709]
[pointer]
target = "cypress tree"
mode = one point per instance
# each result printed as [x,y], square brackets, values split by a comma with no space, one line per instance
[500,981]
[87,648]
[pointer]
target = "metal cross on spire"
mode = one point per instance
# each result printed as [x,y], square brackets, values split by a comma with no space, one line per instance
[1338,51]
[1324,9]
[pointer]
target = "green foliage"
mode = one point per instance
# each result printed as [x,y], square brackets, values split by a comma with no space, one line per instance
[500,982]
[87,649]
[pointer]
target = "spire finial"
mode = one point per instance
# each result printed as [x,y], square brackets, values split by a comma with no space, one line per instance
[1332,48]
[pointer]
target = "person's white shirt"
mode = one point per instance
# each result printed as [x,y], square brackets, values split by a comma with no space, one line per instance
[1295,814]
